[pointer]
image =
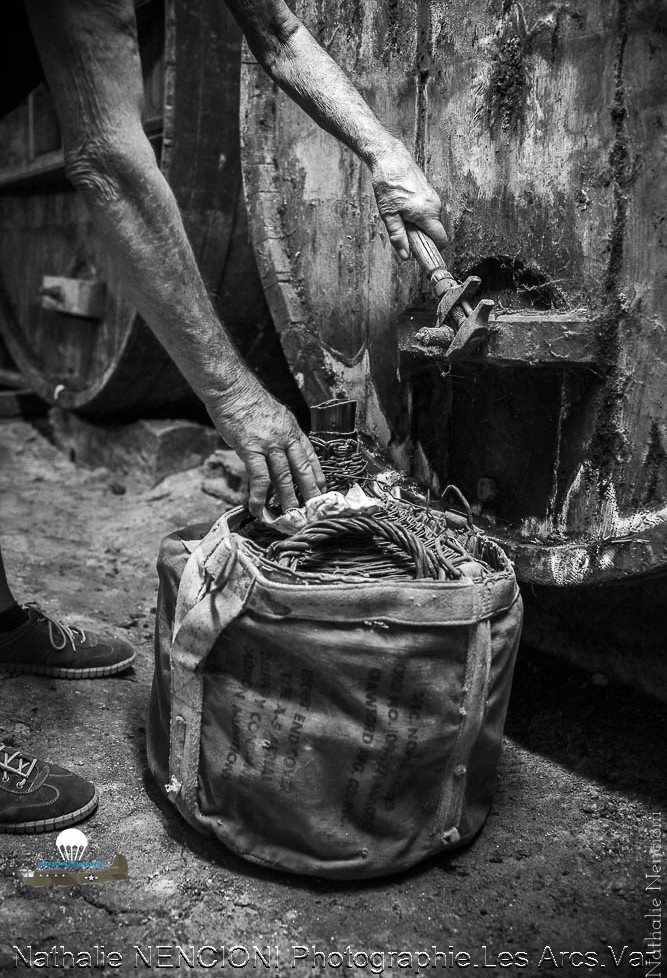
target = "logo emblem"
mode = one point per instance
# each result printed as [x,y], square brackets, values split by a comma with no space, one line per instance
[71,870]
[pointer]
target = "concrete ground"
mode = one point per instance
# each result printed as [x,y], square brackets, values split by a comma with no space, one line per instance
[556,882]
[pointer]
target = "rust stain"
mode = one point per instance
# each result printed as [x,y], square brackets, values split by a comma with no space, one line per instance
[425,65]
[503,97]
[318,25]
[541,266]
[609,443]
[507,91]
[352,16]
[654,470]
[620,158]
[393,35]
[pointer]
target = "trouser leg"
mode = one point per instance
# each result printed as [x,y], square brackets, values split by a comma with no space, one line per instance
[7,599]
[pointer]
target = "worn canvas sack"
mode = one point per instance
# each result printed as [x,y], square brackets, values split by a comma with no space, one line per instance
[338,726]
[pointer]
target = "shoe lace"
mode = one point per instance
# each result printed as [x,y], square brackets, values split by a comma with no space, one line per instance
[14,761]
[59,633]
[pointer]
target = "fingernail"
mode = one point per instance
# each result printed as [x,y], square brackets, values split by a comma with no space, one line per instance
[404,253]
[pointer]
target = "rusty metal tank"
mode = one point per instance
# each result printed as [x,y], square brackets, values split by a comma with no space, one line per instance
[540,125]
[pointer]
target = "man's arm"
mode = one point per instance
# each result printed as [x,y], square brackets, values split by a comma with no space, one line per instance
[89,52]
[296,62]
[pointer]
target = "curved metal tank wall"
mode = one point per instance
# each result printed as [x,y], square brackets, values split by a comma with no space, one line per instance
[541,126]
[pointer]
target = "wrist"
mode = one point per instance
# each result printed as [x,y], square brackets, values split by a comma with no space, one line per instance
[237,384]
[389,148]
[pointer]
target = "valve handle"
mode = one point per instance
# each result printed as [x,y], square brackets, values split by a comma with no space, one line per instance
[430,260]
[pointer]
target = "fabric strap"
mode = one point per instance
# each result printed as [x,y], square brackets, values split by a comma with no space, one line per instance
[471,713]
[200,618]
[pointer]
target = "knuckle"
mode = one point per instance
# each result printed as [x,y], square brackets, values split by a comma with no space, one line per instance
[259,481]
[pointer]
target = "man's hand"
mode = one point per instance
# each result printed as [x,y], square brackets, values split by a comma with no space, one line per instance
[271,444]
[404,194]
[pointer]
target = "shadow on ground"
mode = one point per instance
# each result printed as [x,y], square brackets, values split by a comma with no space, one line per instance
[609,733]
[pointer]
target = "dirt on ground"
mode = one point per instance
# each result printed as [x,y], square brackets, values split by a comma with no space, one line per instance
[559,881]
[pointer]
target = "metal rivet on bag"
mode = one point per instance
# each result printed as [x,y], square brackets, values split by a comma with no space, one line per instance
[451,837]
[459,770]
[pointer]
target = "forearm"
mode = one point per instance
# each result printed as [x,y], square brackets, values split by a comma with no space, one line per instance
[303,69]
[294,59]
[137,217]
[310,76]
[90,56]
[91,60]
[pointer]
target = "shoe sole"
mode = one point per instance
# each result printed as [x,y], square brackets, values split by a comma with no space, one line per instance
[50,824]
[58,672]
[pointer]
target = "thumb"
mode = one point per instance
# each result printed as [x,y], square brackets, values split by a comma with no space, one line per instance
[397,234]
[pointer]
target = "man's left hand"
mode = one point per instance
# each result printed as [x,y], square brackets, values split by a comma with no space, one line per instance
[404,194]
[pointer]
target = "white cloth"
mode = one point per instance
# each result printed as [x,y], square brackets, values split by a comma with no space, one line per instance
[322,507]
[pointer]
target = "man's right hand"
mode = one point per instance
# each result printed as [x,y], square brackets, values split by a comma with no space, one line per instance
[267,438]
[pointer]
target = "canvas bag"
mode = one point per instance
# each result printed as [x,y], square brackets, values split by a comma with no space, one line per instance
[343,730]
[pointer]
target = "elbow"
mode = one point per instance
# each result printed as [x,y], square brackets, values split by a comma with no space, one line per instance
[106,170]
[277,43]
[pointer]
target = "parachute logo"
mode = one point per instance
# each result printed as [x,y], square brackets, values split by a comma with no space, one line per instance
[70,869]
[71,844]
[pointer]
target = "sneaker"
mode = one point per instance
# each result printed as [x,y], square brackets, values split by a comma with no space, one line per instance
[40,797]
[45,646]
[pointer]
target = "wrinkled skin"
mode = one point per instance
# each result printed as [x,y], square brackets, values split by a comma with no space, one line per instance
[89,52]
[271,444]
[403,193]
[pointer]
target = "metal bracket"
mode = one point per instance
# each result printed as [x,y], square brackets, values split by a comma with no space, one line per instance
[466,291]
[534,338]
[475,330]
[85,299]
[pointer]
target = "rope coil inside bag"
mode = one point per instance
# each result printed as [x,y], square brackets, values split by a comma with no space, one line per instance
[404,541]
[341,546]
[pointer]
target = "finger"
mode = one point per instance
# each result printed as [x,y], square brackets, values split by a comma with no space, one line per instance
[260,482]
[306,469]
[318,474]
[435,229]
[281,478]
[320,477]
[397,234]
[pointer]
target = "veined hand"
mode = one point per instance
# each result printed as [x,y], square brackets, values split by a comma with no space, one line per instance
[403,193]
[267,438]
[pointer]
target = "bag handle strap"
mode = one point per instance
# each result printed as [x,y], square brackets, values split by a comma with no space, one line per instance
[472,710]
[201,615]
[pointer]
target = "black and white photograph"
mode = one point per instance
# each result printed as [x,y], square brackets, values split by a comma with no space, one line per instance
[333,487]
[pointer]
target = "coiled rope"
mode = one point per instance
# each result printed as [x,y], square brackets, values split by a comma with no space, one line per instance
[406,541]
